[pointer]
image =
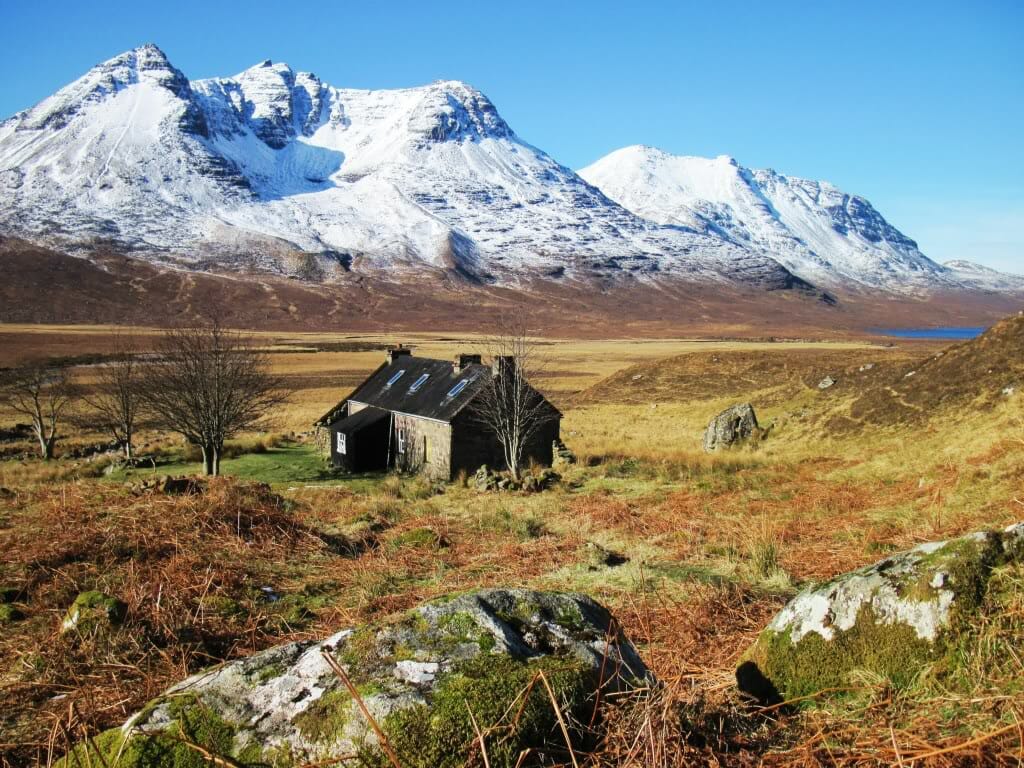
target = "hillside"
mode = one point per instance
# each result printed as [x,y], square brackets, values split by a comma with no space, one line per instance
[964,378]
[892,388]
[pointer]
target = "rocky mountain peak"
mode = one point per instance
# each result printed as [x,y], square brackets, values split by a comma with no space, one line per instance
[451,110]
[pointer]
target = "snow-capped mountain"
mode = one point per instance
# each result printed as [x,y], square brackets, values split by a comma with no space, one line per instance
[824,235]
[264,168]
[984,278]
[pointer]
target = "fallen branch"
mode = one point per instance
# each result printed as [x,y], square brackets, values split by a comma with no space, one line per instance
[967,744]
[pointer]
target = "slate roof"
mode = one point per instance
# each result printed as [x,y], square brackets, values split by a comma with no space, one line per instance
[361,418]
[431,400]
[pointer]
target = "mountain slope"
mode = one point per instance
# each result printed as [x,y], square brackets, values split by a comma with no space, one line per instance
[278,171]
[820,233]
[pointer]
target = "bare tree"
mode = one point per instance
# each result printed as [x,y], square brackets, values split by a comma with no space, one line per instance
[507,404]
[208,384]
[116,400]
[42,393]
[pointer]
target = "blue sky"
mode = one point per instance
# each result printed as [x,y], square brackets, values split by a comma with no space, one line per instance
[918,106]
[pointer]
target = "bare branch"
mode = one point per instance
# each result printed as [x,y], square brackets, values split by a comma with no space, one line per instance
[508,405]
[208,384]
[41,393]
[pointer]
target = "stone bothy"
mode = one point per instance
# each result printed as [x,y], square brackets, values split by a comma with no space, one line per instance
[416,414]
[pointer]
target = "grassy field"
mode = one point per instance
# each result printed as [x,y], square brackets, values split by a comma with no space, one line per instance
[707,548]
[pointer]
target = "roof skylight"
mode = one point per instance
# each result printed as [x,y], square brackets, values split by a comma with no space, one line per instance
[458,388]
[419,382]
[395,378]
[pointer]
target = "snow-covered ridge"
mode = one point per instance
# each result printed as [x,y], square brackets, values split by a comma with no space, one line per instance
[264,168]
[817,231]
[274,169]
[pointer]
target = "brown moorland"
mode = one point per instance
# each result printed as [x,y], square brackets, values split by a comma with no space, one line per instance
[710,546]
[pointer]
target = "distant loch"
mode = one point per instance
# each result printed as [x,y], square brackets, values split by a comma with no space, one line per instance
[953,333]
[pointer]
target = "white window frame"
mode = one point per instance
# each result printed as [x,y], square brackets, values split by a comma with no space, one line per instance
[341,443]
[401,441]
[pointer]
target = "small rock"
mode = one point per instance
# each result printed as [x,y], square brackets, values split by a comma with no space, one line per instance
[599,557]
[561,453]
[730,427]
[1009,391]
[93,611]
[826,383]
[866,367]
[181,486]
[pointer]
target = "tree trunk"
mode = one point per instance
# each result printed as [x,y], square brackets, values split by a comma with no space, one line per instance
[207,459]
[510,460]
[128,444]
[46,447]
[216,460]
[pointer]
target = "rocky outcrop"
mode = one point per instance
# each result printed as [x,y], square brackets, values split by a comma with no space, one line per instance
[486,479]
[731,426]
[419,675]
[891,618]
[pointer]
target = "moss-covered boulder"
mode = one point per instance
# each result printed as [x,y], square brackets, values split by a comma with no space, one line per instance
[894,618]
[93,611]
[419,674]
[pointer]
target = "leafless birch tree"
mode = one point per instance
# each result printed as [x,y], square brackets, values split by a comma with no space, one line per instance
[207,384]
[508,405]
[116,400]
[41,393]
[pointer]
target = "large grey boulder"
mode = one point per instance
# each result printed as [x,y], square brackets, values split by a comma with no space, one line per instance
[731,426]
[418,674]
[892,618]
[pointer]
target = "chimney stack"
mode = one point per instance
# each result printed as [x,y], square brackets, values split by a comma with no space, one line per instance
[462,361]
[398,352]
[503,364]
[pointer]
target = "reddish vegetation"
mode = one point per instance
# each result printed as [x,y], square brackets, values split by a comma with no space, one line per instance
[110,287]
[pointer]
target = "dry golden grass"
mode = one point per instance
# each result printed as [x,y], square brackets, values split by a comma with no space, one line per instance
[713,546]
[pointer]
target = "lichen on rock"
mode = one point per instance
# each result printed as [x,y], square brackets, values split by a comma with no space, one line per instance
[419,674]
[893,618]
[731,427]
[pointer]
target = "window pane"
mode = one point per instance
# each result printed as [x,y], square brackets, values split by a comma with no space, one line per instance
[458,388]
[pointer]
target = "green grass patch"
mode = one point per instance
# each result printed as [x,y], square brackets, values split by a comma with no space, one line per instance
[289,463]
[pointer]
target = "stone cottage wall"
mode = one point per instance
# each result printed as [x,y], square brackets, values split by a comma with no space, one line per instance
[427,446]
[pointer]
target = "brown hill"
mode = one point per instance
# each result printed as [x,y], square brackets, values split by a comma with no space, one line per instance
[41,285]
[871,387]
[975,374]
[775,376]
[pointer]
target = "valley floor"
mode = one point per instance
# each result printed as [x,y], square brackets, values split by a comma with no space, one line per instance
[693,553]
